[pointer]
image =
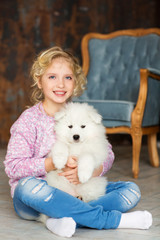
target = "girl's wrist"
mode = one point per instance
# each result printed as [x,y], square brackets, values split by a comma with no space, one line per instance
[49,165]
[97,172]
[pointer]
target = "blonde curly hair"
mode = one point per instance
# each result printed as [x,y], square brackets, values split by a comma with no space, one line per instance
[43,61]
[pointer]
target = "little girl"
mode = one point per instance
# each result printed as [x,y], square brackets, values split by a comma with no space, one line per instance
[57,78]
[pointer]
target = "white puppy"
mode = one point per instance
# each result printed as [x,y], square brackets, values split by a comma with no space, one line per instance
[79,133]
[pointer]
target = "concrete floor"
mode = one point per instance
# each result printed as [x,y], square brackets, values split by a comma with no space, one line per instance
[12,227]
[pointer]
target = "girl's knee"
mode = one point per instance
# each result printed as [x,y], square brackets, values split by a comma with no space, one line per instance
[30,183]
[26,180]
[33,188]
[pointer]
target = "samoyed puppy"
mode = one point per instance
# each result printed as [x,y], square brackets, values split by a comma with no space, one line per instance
[80,133]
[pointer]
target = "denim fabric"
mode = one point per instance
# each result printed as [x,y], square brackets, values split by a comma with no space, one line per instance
[120,196]
[33,196]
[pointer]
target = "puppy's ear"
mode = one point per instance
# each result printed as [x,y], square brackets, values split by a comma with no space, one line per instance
[95,116]
[59,115]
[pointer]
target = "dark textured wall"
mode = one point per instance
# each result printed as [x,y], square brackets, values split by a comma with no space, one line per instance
[28,26]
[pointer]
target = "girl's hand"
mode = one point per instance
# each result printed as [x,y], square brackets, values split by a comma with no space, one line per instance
[70,171]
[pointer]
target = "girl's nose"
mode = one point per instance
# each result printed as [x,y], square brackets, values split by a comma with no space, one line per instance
[60,83]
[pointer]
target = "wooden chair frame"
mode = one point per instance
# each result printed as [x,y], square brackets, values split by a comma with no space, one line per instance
[136,130]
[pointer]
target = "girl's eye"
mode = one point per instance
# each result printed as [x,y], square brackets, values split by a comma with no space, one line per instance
[68,77]
[70,126]
[52,77]
[83,126]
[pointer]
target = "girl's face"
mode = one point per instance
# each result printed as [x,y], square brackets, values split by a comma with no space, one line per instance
[57,82]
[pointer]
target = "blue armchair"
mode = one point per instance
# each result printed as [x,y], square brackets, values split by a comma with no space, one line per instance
[123,72]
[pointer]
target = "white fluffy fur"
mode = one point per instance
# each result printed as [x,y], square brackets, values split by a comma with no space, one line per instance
[91,150]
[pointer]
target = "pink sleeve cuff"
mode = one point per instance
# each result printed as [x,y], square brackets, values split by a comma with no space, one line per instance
[109,161]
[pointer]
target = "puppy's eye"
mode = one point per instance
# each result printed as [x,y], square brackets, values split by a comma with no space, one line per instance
[83,126]
[70,126]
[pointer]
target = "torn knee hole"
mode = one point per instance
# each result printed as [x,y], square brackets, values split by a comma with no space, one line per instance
[37,188]
[25,180]
[48,198]
[135,192]
[126,199]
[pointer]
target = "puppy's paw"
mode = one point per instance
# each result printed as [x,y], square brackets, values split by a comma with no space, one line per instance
[84,175]
[85,167]
[59,154]
[59,161]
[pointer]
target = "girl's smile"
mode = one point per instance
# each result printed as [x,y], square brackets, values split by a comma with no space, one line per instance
[60,94]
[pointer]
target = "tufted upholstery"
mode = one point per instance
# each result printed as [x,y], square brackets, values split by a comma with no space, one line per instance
[117,62]
[112,64]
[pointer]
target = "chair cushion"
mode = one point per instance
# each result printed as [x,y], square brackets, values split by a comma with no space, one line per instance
[115,113]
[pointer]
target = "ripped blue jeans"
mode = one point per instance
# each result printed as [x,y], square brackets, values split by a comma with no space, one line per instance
[34,196]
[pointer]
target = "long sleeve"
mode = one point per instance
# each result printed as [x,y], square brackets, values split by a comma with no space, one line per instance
[32,136]
[20,159]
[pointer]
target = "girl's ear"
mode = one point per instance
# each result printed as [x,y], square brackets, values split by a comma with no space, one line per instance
[39,83]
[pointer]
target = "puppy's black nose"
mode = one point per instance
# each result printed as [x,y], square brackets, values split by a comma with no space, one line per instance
[76,137]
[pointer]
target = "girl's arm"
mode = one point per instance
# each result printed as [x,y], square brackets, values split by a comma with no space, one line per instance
[22,159]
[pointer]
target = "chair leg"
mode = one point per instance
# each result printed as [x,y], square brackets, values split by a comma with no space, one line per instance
[136,148]
[152,149]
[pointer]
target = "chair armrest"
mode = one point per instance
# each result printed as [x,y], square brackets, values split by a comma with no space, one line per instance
[138,112]
[154,73]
